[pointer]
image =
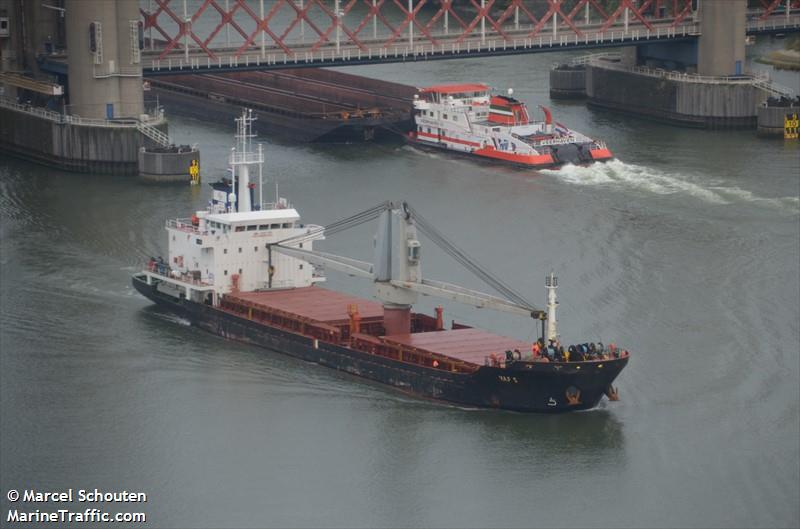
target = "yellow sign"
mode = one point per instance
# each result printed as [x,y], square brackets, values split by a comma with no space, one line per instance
[194,171]
[790,126]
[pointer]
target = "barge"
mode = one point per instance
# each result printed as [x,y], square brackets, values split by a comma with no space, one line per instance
[469,119]
[248,271]
[303,104]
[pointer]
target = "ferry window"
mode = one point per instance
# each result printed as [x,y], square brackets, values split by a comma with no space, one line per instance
[252,227]
[301,245]
[240,249]
[173,237]
[263,227]
[287,224]
[199,241]
[444,116]
[255,248]
[224,250]
[239,228]
[240,271]
[226,272]
[301,267]
[275,226]
[429,130]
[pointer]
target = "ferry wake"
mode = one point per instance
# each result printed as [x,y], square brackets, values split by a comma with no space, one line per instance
[248,271]
[468,119]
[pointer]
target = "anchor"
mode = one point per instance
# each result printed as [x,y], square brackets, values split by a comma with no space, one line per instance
[573,397]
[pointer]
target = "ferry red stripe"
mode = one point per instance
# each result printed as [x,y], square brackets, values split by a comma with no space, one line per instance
[447,138]
[526,159]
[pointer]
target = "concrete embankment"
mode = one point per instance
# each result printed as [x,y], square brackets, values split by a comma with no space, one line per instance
[70,143]
[671,97]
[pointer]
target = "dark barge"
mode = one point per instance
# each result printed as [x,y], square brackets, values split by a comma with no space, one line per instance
[303,104]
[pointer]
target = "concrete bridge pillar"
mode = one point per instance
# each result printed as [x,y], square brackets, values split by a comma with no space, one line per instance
[721,45]
[105,71]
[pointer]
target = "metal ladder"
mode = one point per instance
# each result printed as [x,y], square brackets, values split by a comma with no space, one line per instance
[153,133]
[773,88]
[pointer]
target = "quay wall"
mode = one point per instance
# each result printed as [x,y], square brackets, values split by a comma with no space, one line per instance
[71,146]
[681,102]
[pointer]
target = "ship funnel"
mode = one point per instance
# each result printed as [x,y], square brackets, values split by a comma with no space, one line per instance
[551,283]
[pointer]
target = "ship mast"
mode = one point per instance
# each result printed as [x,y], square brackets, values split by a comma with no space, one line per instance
[551,284]
[242,158]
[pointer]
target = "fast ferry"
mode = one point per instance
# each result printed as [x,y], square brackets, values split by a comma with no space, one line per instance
[469,119]
[249,271]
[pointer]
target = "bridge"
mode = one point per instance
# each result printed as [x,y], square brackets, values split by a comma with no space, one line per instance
[246,35]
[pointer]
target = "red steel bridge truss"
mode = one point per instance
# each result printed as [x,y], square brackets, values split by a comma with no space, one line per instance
[210,31]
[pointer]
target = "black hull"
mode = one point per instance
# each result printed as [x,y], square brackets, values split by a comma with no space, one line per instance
[288,126]
[522,386]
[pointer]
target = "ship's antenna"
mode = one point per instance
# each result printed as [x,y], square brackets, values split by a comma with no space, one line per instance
[232,200]
[260,178]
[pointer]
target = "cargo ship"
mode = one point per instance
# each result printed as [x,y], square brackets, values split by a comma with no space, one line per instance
[248,271]
[469,119]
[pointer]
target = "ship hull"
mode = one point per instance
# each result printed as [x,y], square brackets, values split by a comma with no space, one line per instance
[520,386]
[571,154]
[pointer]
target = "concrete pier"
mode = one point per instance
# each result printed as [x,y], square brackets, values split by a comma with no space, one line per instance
[681,99]
[171,164]
[771,116]
[72,143]
[568,81]
[105,71]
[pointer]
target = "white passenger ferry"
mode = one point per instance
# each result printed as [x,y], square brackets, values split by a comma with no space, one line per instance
[469,119]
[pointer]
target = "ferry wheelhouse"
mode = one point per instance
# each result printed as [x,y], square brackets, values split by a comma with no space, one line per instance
[469,119]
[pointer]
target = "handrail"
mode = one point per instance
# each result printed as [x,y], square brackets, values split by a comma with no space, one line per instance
[157,116]
[153,133]
[759,80]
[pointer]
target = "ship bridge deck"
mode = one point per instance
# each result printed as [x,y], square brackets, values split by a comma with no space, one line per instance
[468,345]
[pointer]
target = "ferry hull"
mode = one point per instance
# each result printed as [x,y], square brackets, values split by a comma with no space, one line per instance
[567,154]
[521,386]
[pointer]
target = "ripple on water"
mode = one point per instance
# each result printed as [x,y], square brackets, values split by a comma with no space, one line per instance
[617,173]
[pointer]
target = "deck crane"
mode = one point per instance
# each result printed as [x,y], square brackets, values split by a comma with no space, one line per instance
[397,272]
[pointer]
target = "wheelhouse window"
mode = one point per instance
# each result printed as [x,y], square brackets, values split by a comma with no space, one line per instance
[263,227]
[239,228]
[252,227]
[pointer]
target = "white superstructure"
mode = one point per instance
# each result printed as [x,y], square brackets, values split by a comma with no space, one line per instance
[224,248]
[467,118]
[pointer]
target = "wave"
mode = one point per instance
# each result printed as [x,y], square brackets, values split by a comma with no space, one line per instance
[656,181]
